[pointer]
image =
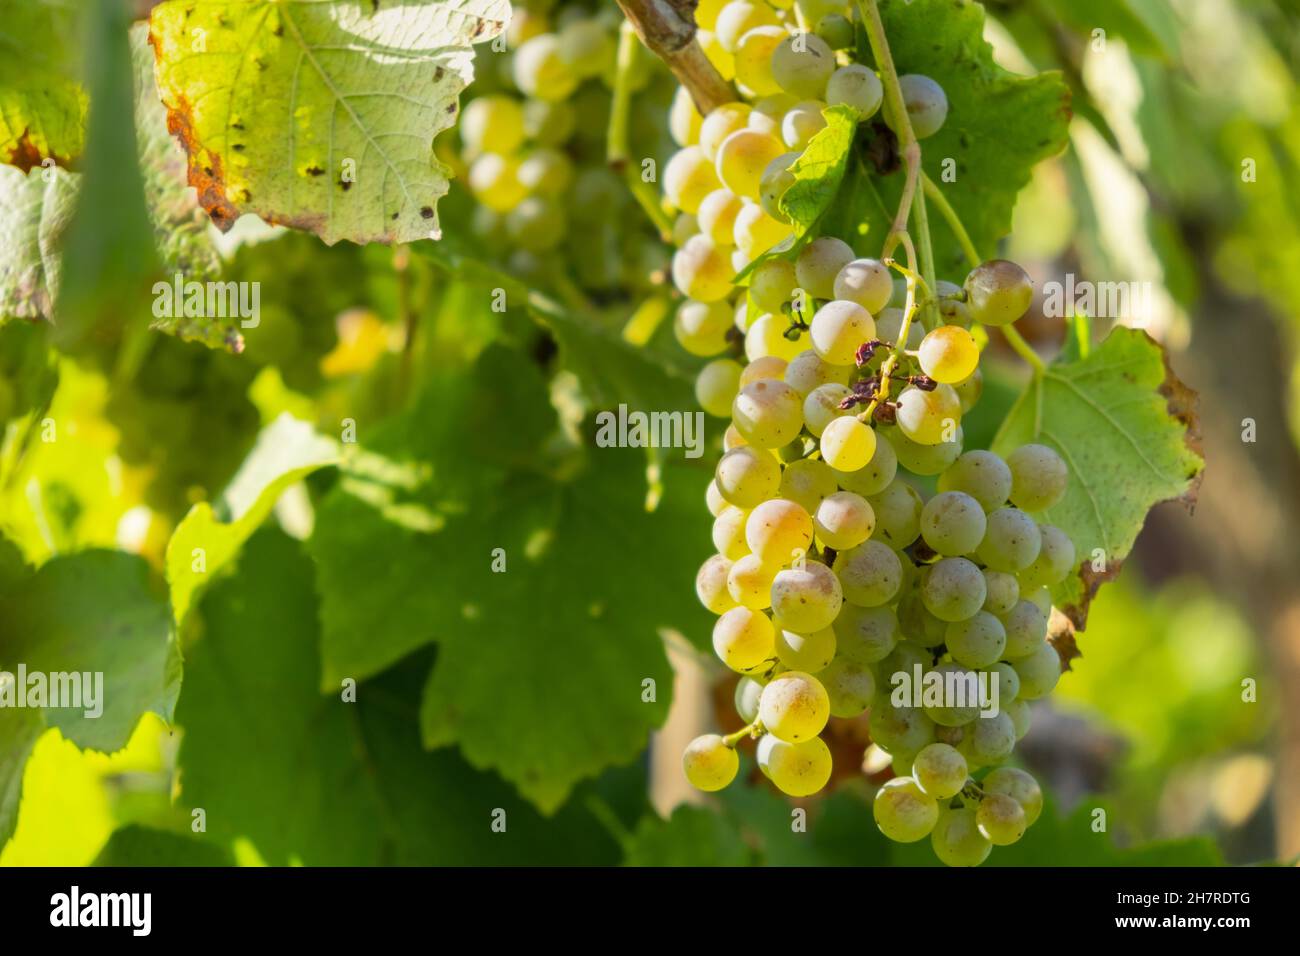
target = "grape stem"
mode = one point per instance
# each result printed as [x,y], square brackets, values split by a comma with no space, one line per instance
[617,153]
[909,311]
[667,28]
[755,729]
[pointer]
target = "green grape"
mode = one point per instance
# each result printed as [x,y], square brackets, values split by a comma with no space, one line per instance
[926,104]
[778,531]
[809,653]
[992,738]
[822,406]
[801,65]
[1002,590]
[857,87]
[875,476]
[776,179]
[766,336]
[771,284]
[1026,628]
[839,328]
[807,481]
[729,533]
[900,729]
[903,659]
[755,232]
[899,297]
[794,706]
[1019,786]
[738,18]
[768,111]
[866,282]
[549,122]
[898,513]
[684,119]
[918,625]
[926,459]
[540,70]
[1042,599]
[949,354]
[806,599]
[767,366]
[1039,672]
[998,292]
[837,30]
[870,574]
[982,475]
[844,520]
[746,697]
[546,172]
[808,371]
[716,386]
[701,327]
[889,328]
[769,413]
[741,159]
[865,635]
[802,123]
[939,771]
[709,764]
[717,215]
[1012,540]
[953,589]
[850,685]
[1019,712]
[1008,683]
[744,639]
[957,841]
[587,47]
[536,224]
[713,499]
[747,476]
[755,64]
[847,444]
[688,177]
[903,811]
[814,10]
[977,641]
[494,181]
[1055,559]
[749,582]
[960,702]
[492,124]
[711,585]
[819,262]
[969,390]
[701,270]
[1038,477]
[799,770]
[928,417]
[1001,819]
[952,523]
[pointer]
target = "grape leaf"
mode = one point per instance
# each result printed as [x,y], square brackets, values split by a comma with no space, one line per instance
[34,210]
[287,451]
[42,107]
[19,728]
[999,124]
[1127,429]
[319,116]
[313,778]
[691,836]
[819,170]
[137,845]
[96,612]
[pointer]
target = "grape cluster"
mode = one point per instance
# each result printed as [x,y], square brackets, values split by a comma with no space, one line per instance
[836,583]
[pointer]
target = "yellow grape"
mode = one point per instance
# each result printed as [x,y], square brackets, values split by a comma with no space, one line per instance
[729,533]
[749,583]
[722,61]
[716,386]
[819,262]
[928,418]
[949,354]
[839,328]
[807,481]
[769,413]
[492,124]
[747,476]
[721,122]
[847,444]
[684,119]
[794,707]
[709,764]
[494,181]
[844,520]
[744,639]
[806,598]
[822,406]
[797,770]
[712,585]
[768,366]
[717,215]
[688,178]
[754,60]
[808,371]
[741,159]
[701,327]
[778,531]
[702,271]
[767,337]
[738,18]
[809,653]
[771,284]
[756,232]
[802,123]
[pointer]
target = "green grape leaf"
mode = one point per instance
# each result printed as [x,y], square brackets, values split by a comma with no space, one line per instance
[19,729]
[819,171]
[691,836]
[319,116]
[137,845]
[999,125]
[34,210]
[208,539]
[1128,431]
[328,781]
[42,106]
[98,613]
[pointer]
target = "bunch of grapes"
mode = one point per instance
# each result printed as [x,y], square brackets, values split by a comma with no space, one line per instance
[837,585]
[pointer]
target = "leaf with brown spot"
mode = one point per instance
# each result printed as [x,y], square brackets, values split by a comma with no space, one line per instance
[42,104]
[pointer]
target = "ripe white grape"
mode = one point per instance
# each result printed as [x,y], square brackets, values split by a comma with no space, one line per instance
[716,386]
[688,177]
[844,520]
[847,444]
[849,685]
[747,476]
[822,405]
[1042,599]
[940,771]
[713,499]
[926,104]
[717,215]
[729,532]
[766,336]
[744,639]
[1019,712]
[749,582]
[957,841]
[926,459]
[541,71]
[721,122]
[807,481]
[809,653]
[741,159]
[494,181]
[949,354]
[837,30]
[739,17]
[952,523]
[928,417]
[1001,819]
[874,477]
[977,641]
[702,270]
[953,589]
[1026,627]
[1011,542]
[889,328]
[955,711]
[866,282]
[903,811]
[991,738]
[899,730]
[1055,559]
[1003,591]
[776,179]
[807,598]
[798,770]
[766,117]
[769,413]
[683,119]
[701,327]
[492,124]
[1039,672]
[767,366]
[982,475]
[870,574]
[1008,685]
[898,513]
[755,66]
[855,86]
[755,232]
[732,438]
[839,328]
[998,292]
[748,691]
[709,764]
[794,706]
[711,585]
[808,371]
[802,64]
[778,531]
[819,262]
[772,284]
[803,121]
[1019,786]
[1039,477]
[865,635]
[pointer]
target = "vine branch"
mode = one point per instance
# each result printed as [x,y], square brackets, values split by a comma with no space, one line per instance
[667,28]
